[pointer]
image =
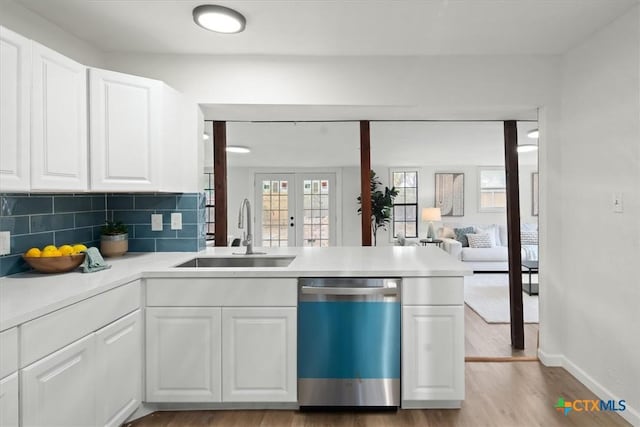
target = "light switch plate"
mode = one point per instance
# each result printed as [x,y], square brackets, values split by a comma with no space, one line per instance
[176,221]
[5,242]
[156,222]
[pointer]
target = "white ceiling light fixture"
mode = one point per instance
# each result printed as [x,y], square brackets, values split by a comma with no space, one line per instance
[527,148]
[238,149]
[533,133]
[219,19]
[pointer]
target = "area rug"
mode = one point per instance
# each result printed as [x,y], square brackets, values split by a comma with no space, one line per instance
[488,295]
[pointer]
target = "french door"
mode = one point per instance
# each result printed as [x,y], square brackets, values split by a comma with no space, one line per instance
[295,209]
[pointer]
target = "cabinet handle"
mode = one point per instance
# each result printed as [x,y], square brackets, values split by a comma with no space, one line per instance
[316,290]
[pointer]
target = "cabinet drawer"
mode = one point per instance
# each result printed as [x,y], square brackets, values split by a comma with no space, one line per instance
[48,333]
[8,352]
[224,292]
[433,291]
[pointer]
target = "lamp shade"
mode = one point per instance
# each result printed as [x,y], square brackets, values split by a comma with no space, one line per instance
[431,214]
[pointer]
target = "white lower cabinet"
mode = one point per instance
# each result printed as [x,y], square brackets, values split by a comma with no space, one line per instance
[432,353]
[259,354]
[183,354]
[95,381]
[119,371]
[59,390]
[9,409]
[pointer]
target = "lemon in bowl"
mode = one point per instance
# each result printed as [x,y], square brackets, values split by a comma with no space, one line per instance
[79,248]
[66,250]
[33,253]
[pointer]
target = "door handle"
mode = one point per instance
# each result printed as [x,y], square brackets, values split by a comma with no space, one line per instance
[316,290]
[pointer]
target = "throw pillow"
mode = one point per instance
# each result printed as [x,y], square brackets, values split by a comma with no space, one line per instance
[481,240]
[447,232]
[528,237]
[461,235]
[492,230]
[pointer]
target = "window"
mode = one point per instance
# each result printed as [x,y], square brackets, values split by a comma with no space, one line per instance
[493,190]
[405,205]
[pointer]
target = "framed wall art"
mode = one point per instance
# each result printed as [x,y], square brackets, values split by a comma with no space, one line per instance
[450,193]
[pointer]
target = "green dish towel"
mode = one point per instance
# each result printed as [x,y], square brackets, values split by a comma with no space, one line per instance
[93,261]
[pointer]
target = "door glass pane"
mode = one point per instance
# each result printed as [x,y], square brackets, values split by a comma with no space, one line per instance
[316,212]
[275,214]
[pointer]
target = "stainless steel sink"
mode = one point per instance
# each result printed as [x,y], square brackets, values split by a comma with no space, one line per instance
[238,261]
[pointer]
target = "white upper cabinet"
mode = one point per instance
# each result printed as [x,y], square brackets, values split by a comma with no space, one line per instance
[58,122]
[15,82]
[125,131]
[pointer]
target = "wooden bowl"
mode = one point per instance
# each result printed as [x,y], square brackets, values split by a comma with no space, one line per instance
[60,264]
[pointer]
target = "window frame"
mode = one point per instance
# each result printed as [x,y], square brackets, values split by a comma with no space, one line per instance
[480,188]
[392,171]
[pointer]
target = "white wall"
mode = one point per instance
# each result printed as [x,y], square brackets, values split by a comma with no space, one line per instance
[594,324]
[431,87]
[31,25]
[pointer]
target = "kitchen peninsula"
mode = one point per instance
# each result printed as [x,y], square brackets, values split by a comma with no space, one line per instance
[147,335]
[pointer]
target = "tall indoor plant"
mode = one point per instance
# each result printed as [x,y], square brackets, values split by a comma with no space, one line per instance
[381,205]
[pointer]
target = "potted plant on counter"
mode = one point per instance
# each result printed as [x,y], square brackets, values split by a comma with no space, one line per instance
[114,239]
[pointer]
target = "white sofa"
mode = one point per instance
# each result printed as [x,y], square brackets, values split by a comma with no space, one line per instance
[486,259]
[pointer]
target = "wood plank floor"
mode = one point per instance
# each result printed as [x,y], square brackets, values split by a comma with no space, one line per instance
[494,339]
[497,394]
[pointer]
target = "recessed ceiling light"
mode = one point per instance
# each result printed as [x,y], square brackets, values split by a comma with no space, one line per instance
[219,19]
[238,149]
[527,148]
[533,134]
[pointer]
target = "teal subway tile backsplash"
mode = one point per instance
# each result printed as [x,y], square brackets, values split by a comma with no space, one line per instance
[20,205]
[72,203]
[176,245]
[42,219]
[49,222]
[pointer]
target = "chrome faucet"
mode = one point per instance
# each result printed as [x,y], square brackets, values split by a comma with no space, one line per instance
[248,239]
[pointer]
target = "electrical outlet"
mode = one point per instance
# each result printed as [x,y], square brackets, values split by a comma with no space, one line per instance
[617,203]
[176,221]
[5,242]
[156,222]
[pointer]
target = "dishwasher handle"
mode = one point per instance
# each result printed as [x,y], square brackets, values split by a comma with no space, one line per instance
[316,290]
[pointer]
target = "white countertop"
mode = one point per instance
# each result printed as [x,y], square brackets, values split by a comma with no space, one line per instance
[25,296]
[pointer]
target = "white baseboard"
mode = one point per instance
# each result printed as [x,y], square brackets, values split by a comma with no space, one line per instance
[550,360]
[630,414]
[559,360]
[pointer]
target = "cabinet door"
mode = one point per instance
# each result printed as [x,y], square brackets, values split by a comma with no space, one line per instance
[59,390]
[183,354]
[9,401]
[15,83]
[259,359]
[432,353]
[125,131]
[119,375]
[58,122]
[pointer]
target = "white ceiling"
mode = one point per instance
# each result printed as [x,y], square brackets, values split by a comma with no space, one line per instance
[356,27]
[336,144]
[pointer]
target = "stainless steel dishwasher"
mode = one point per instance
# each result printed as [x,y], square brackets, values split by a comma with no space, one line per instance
[349,342]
